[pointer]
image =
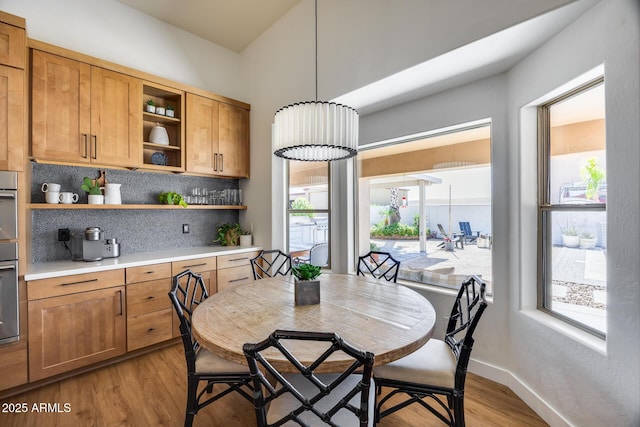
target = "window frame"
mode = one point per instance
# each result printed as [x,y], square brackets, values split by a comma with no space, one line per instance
[326,211]
[545,208]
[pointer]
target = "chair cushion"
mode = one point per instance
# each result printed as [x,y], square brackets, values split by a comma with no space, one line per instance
[207,362]
[433,364]
[344,418]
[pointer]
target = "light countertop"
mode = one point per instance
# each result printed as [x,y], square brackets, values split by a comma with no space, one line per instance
[47,270]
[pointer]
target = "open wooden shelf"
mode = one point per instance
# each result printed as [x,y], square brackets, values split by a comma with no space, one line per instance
[139,206]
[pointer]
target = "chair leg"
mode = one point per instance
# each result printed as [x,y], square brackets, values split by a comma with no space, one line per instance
[458,411]
[192,403]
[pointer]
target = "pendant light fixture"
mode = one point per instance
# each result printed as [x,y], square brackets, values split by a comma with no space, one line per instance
[316,131]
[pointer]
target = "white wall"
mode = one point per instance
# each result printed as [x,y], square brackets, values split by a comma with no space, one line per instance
[117,33]
[589,384]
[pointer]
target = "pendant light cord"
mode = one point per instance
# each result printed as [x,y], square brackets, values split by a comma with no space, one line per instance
[316,23]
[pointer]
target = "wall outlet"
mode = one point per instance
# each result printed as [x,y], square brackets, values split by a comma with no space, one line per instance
[185,228]
[64,235]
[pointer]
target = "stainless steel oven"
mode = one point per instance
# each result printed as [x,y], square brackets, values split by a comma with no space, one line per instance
[8,205]
[9,326]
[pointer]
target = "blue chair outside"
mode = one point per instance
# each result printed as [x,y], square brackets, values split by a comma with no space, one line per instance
[469,236]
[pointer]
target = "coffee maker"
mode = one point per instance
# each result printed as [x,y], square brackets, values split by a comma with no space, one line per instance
[91,246]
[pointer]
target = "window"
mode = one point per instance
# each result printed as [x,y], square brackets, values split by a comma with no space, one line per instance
[417,198]
[309,211]
[572,207]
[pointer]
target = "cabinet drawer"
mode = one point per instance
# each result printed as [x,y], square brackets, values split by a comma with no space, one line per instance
[37,289]
[148,272]
[147,329]
[231,277]
[198,265]
[226,261]
[146,297]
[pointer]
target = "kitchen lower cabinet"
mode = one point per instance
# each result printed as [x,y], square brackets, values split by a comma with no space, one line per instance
[235,270]
[71,331]
[206,267]
[149,310]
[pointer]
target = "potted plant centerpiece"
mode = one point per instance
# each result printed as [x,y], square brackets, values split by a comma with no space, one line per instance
[92,187]
[307,289]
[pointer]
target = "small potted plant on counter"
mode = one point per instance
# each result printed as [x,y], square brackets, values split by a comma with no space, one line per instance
[92,187]
[150,106]
[228,234]
[307,289]
[245,238]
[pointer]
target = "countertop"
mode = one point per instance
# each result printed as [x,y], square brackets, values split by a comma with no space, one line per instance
[47,270]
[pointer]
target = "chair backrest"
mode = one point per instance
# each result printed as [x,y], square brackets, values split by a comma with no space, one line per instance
[467,309]
[380,265]
[465,227]
[319,254]
[442,232]
[313,401]
[271,263]
[187,292]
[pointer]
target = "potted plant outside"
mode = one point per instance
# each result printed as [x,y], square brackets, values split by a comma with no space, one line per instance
[307,289]
[150,106]
[587,241]
[170,112]
[570,237]
[92,187]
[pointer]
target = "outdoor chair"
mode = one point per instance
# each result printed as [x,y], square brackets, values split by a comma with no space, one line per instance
[271,263]
[469,236]
[318,255]
[455,239]
[380,265]
[434,376]
[306,397]
[187,292]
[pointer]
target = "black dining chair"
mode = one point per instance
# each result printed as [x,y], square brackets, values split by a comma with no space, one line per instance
[271,263]
[434,375]
[203,367]
[380,265]
[306,397]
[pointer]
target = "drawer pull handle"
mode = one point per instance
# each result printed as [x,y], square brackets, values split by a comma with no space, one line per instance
[150,297]
[238,280]
[7,196]
[7,267]
[149,272]
[120,300]
[151,329]
[238,259]
[195,265]
[80,282]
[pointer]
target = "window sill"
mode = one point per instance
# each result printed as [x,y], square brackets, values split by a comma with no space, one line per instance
[434,289]
[590,341]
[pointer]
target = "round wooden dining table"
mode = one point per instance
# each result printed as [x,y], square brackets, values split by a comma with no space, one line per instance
[387,319]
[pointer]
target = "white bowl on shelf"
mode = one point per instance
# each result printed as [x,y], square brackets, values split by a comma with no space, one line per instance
[159,135]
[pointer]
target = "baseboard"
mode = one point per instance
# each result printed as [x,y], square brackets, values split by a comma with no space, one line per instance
[522,390]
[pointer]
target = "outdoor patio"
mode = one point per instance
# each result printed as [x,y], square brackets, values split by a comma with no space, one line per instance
[579,286]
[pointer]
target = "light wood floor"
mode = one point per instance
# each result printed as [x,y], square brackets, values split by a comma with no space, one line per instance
[150,390]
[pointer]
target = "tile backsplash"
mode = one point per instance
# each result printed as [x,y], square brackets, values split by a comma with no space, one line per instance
[136,230]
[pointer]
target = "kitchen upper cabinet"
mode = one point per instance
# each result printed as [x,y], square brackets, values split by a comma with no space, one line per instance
[233,125]
[12,91]
[217,137]
[202,134]
[11,118]
[83,114]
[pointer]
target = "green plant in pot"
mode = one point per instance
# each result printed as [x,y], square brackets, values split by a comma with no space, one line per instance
[172,198]
[228,234]
[307,289]
[92,187]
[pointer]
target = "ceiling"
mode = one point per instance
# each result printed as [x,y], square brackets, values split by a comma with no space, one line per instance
[230,24]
